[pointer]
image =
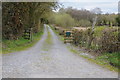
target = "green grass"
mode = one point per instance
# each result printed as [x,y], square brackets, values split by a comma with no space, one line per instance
[98,30]
[101,60]
[10,46]
[110,58]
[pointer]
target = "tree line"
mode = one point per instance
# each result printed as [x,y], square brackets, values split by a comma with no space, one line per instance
[84,18]
[18,16]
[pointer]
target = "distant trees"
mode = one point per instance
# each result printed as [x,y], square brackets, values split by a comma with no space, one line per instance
[81,16]
[70,17]
[107,19]
[62,19]
[83,23]
[20,15]
[85,17]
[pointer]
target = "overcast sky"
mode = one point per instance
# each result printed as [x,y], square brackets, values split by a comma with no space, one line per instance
[110,6]
[107,6]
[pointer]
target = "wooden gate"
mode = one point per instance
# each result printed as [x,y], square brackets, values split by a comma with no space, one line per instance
[68,36]
[28,34]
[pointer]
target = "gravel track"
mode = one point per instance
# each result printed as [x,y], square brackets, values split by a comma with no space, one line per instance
[50,60]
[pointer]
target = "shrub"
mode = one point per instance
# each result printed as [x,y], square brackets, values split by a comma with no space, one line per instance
[105,39]
[109,40]
[62,19]
[83,23]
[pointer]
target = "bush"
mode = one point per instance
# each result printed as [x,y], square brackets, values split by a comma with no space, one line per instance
[109,40]
[105,39]
[83,23]
[62,19]
[81,38]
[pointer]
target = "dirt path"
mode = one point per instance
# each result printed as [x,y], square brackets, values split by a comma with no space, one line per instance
[50,58]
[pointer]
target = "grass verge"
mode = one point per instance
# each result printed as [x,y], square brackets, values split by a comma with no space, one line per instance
[9,46]
[103,60]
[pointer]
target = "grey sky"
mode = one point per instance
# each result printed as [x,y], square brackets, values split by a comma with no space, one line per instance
[110,6]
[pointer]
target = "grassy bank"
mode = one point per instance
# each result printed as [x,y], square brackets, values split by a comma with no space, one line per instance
[107,60]
[110,58]
[103,60]
[9,46]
